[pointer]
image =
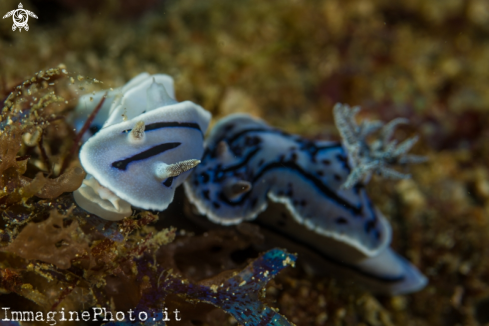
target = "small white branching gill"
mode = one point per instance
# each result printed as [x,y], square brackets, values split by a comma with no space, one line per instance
[376,156]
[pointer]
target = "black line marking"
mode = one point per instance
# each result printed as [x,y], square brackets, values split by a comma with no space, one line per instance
[244,132]
[307,146]
[290,165]
[341,220]
[386,279]
[173,124]
[247,158]
[122,164]
[327,192]
[234,137]
[230,139]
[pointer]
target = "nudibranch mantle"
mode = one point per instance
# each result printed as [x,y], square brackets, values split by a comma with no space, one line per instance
[128,168]
[289,169]
[140,161]
[247,163]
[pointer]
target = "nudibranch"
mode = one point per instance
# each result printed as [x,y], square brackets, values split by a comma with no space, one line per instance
[144,150]
[135,97]
[247,164]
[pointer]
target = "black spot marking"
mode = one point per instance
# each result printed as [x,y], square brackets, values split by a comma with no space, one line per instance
[204,177]
[370,225]
[168,182]
[293,157]
[341,158]
[337,177]
[94,129]
[254,201]
[326,162]
[341,221]
[376,235]
[357,188]
[205,193]
[216,205]
[229,127]
[153,151]
[320,173]
[303,202]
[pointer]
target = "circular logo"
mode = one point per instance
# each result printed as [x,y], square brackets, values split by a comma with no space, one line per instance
[20,18]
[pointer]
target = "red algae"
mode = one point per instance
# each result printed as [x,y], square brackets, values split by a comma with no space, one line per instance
[49,241]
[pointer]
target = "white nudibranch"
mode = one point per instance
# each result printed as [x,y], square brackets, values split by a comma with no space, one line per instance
[146,148]
[248,165]
[133,94]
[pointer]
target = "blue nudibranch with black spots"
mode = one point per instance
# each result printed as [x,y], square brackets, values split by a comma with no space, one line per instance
[247,163]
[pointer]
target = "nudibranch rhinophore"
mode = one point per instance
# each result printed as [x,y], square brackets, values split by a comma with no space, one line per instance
[247,163]
[145,149]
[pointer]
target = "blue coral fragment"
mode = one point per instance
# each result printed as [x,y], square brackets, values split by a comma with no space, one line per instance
[9,323]
[238,295]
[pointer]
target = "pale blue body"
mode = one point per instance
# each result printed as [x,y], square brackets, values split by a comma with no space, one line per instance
[306,177]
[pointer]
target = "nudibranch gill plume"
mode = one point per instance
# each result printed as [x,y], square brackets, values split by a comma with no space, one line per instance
[247,164]
[145,149]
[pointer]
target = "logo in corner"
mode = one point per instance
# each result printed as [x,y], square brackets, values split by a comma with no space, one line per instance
[20,17]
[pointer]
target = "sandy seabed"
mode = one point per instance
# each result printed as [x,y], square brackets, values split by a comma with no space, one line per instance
[288,62]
